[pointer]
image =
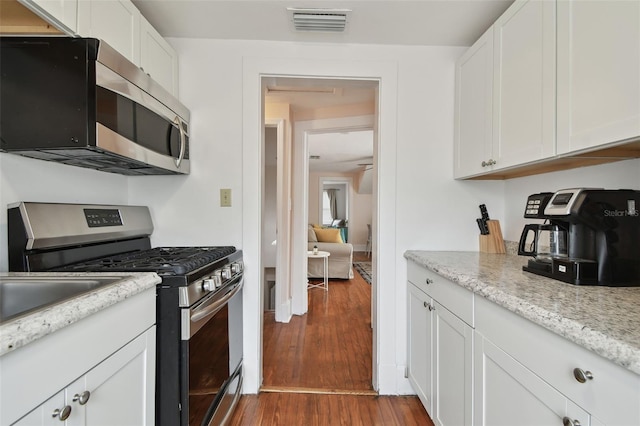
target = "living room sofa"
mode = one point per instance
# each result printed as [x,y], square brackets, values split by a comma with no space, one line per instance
[340,260]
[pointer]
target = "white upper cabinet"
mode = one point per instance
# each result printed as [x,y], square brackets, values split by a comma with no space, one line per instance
[158,58]
[473,114]
[505,99]
[598,73]
[115,21]
[61,13]
[524,84]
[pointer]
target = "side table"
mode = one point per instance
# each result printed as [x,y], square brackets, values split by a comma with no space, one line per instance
[324,255]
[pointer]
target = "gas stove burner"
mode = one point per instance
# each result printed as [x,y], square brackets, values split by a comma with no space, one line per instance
[162,260]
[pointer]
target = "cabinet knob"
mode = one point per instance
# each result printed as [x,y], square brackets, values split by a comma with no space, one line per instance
[488,163]
[432,308]
[63,414]
[581,375]
[83,398]
[566,421]
[425,304]
[429,281]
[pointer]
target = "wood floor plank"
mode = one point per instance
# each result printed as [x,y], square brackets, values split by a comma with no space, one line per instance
[317,368]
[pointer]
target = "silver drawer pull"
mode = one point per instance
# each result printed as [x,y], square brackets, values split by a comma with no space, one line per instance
[63,414]
[581,375]
[82,398]
[429,281]
[566,421]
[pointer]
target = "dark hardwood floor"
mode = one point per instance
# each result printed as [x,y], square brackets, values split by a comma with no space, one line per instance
[317,368]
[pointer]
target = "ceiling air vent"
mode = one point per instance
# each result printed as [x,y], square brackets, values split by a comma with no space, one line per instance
[327,20]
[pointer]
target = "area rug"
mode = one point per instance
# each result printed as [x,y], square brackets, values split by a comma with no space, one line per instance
[364,269]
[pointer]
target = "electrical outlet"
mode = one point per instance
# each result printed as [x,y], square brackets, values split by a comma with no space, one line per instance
[225,197]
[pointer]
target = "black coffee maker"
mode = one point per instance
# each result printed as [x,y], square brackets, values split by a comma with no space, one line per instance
[601,230]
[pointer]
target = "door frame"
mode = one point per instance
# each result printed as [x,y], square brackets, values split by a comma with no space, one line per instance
[385,366]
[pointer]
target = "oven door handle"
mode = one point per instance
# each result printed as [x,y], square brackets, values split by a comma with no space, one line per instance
[216,304]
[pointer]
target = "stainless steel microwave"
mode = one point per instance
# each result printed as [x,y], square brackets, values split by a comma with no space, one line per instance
[79,102]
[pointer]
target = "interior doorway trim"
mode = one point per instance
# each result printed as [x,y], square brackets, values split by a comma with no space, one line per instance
[283,247]
[303,129]
[331,64]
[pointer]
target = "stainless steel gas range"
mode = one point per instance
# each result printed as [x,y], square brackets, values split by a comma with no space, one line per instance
[199,302]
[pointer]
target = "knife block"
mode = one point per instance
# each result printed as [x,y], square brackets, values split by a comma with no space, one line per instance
[493,242]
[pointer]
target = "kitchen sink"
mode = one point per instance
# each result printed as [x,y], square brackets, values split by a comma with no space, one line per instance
[20,295]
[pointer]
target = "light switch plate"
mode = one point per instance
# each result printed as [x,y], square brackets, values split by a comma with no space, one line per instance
[225,197]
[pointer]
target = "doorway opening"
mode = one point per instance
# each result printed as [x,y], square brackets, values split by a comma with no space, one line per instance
[329,114]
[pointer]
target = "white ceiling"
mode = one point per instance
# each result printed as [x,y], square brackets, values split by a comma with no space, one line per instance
[341,152]
[410,22]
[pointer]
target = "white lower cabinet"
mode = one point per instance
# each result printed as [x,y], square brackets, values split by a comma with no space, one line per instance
[453,346]
[115,392]
[105,360]
[507,393]
[473,362]
[440,348]
[420,351]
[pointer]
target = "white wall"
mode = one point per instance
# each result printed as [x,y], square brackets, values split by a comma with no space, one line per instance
[433,211]
[619,175]
[27,179]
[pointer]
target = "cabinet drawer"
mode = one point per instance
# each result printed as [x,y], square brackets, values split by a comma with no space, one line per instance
[456,299]
[613,393]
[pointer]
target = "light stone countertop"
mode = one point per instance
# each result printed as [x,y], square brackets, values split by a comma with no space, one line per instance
[32,326]
[605,320]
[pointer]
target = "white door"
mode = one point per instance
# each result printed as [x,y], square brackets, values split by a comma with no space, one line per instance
[598,73]
[115,21]
[507,393]
[453,367]
[524,83]
[121,387]
[63,13]
[420,350]
[48,413]
[473,110]
[157,57]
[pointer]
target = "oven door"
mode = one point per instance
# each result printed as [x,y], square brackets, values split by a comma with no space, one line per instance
[210,354]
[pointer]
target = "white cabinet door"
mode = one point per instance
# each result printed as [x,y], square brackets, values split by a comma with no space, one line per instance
[420,353]
[598,73]
[115,21]
[507,393]
[524,83]
[47,414]
[473,108]
[118,391]
[121,387]
[157,58]
[453,366]
[62,14]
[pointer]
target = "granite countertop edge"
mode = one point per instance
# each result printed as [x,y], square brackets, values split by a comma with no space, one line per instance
[25,329]
[624,353]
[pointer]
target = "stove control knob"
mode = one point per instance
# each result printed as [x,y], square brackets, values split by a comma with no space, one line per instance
[208,284]
[236,267]
[217,280]
[226,272]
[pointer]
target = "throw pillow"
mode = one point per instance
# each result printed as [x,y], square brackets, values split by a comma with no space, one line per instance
[329,235]
[312,235]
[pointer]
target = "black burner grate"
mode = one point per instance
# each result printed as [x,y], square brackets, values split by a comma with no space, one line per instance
[162,260]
